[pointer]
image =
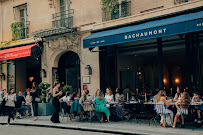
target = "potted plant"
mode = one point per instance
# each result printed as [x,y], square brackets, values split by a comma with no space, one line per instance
[66,88]
[45,108]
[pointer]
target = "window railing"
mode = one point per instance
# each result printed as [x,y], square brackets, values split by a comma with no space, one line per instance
[180,1]
[122,10]
[62,19]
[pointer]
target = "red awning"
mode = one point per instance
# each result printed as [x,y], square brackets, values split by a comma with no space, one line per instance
[17,52]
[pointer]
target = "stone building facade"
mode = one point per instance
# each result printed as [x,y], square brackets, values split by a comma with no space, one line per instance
[86,16]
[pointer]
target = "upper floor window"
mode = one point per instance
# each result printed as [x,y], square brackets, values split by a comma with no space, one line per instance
[180,1]
[22,15]
[63,16]
[20,26]
[63,12]
[114,9]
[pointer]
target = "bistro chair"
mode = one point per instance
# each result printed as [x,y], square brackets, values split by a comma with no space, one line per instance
[88,111]
[160,109]
[62,106]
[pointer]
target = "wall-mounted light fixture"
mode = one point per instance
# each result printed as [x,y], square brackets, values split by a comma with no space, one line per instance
[3,77]
[88,70]
[43,73]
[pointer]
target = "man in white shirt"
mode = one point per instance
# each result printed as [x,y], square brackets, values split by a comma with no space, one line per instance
[65,102]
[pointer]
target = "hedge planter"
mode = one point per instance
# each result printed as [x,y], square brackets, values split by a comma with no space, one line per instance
[45,109]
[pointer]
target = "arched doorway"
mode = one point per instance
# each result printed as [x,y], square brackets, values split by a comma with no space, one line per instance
[69,70]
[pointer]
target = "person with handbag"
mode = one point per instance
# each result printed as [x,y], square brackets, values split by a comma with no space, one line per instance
[35,93]
[10,104]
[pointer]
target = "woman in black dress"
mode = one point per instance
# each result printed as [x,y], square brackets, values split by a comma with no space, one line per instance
[56,103]
[35,93]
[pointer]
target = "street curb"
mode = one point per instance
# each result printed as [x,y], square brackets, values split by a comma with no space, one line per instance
[76,128]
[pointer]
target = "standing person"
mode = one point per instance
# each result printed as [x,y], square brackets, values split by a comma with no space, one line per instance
[100,107]
[35,93]
[56,103]
[28,102]
[10,103]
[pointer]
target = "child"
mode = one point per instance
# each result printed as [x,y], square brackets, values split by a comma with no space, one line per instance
[197,108]
[182,108]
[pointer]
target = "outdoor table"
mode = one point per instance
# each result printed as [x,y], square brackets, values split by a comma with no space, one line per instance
[131,102]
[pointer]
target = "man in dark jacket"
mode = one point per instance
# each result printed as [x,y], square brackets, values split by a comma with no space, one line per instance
[20,100]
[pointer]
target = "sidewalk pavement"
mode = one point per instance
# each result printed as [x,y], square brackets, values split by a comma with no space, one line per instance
[120,127]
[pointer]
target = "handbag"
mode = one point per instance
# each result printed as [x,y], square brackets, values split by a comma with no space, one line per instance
[37,99]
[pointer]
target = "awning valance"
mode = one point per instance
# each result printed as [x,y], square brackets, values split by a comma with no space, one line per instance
[16,52]
[171,26]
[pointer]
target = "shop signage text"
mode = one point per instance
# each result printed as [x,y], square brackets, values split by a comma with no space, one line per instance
[14,55]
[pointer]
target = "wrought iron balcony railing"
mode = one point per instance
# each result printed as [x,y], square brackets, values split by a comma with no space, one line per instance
[63,19]
[180,1]
[122,10]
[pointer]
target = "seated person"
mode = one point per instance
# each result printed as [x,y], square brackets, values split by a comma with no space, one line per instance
[100,106]
[28,102]
[75,108]
[65,102]
[127,93]
[119,97]
[86,101]
[182,108]
[25,93]
[18,105]
[161,102]
[178,94]
[109,97]
[197,108]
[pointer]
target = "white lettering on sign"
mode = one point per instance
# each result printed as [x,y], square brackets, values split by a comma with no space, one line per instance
[199,24]
[97,42]
[144,34]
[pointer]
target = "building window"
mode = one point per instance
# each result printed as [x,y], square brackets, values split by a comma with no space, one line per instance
[63,16]
[63,12]
[180,1]
[122,9]
[20,26]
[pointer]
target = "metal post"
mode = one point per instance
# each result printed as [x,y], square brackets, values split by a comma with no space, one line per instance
[197,60]
[188,52]
[160,63]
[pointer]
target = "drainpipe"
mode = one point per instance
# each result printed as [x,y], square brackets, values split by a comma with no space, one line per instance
[69,14]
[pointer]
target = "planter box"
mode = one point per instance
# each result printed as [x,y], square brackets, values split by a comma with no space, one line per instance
[45,109]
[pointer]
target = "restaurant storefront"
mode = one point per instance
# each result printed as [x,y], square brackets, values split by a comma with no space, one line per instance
[158,54]
[21,66]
